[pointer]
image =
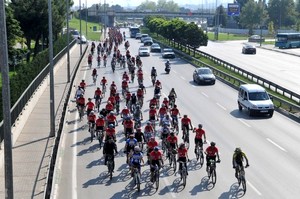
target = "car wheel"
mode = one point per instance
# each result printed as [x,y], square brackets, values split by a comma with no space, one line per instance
[250,112]
[213,83]
[240,107]
[271,114]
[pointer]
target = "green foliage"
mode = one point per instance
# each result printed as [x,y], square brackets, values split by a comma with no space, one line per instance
[161,6]
[177,30]
[271,28]
[91,35]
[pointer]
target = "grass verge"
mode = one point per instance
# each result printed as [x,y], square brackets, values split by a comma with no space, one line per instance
[90,35]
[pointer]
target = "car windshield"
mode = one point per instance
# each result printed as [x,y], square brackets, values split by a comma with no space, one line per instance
[143,48]
[258,96]
[204,71]
[168,50]
[155,45]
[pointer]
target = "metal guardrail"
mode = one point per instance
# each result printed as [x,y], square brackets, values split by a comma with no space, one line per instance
[235,82]
[20,104]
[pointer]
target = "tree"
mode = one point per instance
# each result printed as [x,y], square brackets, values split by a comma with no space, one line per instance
[271,27]
[147,6]
[221,16]
[170,6]
[252,15]
[282,13]
[195,36]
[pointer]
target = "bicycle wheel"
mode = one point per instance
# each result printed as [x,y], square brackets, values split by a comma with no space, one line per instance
[137,181]
[201,159]
[213,176]
[157,179]
[184,175]
[174,162]
[110,169]
[197,153]
[243,182]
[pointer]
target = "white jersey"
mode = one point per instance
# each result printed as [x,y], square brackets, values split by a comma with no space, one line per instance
[79,92]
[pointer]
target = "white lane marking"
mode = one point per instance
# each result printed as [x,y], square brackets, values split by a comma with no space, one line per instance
[164,94]
[74,161]
[204,94]
[170,190]
[182,77]
[244,123]
[276,144]
[222,107]
[251,185]
[175,71]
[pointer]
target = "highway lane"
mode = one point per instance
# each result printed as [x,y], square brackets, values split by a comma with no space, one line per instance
[280,68]
[269,143]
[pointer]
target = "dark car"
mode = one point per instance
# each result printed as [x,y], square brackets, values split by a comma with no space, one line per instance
[256,38]
[168,53]
[204,76]
[155,48]
[148,42]
[249,49]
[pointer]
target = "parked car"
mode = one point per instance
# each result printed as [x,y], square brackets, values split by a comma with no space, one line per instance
[168,53]
[144,51]
[81,39]
[249,49]
[204,75]
[138,35]
[148,42]
[256,38]
[155,48]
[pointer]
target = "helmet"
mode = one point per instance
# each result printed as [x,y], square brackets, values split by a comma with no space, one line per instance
[101,116]
[184,115]
[89,99]
[156,148]
[137,107]
[152,138]
[238,149]
[98,88]
[131,136]
[110,126]
[148,122]
[92,112]
[172,133]
[112,113]
[182,145]
[82,80]
[137,149]
[138,129]
[175,106]
[200,126]
[212,144]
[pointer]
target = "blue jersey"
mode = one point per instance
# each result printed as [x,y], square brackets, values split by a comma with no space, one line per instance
[131,142]
[136,158]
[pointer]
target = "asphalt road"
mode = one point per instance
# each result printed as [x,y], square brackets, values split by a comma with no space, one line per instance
[271,144]
[280,68]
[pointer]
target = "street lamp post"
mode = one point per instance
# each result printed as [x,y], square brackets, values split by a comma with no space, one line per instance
[8,163]
[68,43]
[86,16]
[80,26]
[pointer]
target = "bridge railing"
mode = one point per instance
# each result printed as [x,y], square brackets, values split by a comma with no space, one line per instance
[236,82]
[21,103]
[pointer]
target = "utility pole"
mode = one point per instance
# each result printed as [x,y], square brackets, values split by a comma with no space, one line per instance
[52,112]
[68,43]
[80,34]
[86,16]
[8,163]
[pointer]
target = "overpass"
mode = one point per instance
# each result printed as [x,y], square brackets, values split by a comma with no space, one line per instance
[108,17]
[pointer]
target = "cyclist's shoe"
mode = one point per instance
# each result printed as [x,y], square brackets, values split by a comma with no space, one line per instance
[236,175]
[187,173]
[195,151]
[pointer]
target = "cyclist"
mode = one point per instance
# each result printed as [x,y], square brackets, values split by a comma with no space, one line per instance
[90,106]
[157,87]
[135,159]
[79,92]
[109,107]
[212,153]
[98,95]
[112,99]
[153,114]
[141,86]
[139,136]
[155,160]
[100,124]
[198,137]
[153,73]
[127,99]
[166,121]
[151,144]
[98,60]
[124,86]
[238,159]
[162,112]
[110,132]
[103,112]
[94,73]
[131,142]
[172,143]
[133,101]
[109,149]
[140,75]
[128,126]
[174,112]
[104,58]
[91,121]
[125,112]
[172,96]
[148,131]
[113,88]
[166,102]
[125,76]
[140,95]
[186,124]
[111,119]
[82,84]
[183,156]
[153,102]
[90,59]
[138,114]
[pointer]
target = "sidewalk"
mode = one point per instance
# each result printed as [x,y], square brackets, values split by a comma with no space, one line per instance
[32,149]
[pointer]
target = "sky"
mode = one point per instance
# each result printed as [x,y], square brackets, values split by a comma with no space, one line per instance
[125,3]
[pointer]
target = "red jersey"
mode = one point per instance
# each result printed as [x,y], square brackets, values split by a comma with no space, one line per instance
[110,132]
[172,139]
[152,144]
[152,112]
[199,133]
[153,102]
[128,124]
[111,118]
[103,81]
[125,111]
[148,128]
[92,118]
[162,111]
[140,75]
[100,122]
[82,84]
[182,152]
[98,92]
[185,121]
[117,98]
[124,84]
[112,99]
[211,151]
[156,155]
[109,107]
[90,105]
[166,103]
[126,77]
[140,93]
[81,101]
[128,95]
[174,111]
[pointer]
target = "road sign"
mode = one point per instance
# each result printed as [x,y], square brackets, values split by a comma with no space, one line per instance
[233,9]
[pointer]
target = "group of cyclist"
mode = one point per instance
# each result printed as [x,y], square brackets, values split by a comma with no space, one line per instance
[166,112]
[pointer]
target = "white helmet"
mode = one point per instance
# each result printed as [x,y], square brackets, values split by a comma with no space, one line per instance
[137,149]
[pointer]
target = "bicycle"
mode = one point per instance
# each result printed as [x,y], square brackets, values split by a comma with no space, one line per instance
[155,177]
[186,136]
[92,130]
[175,124]
[153,79]
[81,112]
[241,177]
[98,102]
[94,78]
[199,154]
[211,171]
[183,172]
[105,62]
[141,101]
[137,177]
[117,108]
[132,77]
[110,165]
[172,158]
[103,89]
[113,66]
[100,136]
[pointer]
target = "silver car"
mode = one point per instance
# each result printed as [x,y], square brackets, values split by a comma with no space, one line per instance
[204,76]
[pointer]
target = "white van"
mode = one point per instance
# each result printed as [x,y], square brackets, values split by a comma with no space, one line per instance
[255,99]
